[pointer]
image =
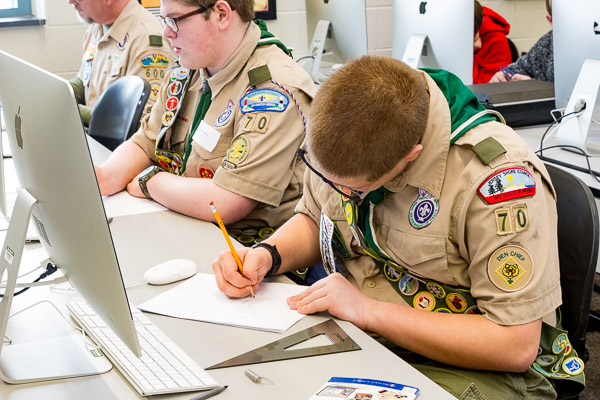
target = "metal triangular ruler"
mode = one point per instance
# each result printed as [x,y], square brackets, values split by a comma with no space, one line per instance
[277,350]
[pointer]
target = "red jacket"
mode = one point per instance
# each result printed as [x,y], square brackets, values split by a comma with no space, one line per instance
[494,51]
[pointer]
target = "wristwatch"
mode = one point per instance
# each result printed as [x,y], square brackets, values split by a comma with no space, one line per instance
[145,176]
[275,257]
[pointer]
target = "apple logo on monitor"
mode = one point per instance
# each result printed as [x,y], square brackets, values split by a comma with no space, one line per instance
[422,7]
[18,129]
[596,28]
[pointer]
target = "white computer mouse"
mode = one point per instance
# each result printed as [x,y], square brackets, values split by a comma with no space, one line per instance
[170,271]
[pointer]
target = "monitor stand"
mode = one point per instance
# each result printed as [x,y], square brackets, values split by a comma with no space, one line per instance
[414,50]
[317,46]
[47,359]
[575,130]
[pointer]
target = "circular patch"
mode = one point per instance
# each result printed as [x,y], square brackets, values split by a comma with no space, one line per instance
[510,268]
[456,302]
[546,360]
[171,103]
[561,344]
[443,311]
[250,231]
[559,375]
[391,274]
[245,239]
[167,118]
[473,310]
[408,285]
[180,73]
[556,367]
[205,171]
[539,369]
[573,366]
[175,88]
[266,233]
[424,301]
[423,210]
[436,290]
[349,213]
[238,150]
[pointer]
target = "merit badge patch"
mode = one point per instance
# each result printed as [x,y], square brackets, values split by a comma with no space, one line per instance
[121,45]
[510,183]
[180,74]
[154,59]
[436,290]
[510,268]
[573,366]
[225,116]
[561,344]
[424,301]
[456,302]
[205,171]
[172,103]
[238,150]
[175,88]
[264,100]
[423,210]
[167,118]
[391,274]
[408,285]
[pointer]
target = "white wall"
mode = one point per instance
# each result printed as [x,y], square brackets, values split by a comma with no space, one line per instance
[57,46]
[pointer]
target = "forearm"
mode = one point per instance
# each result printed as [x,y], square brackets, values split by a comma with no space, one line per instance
[468,341]
[192,197]
[298,243]
[124,164]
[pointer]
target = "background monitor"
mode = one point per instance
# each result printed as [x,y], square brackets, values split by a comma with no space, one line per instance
[441,32]
[576,31]
[53,164]
[342,34]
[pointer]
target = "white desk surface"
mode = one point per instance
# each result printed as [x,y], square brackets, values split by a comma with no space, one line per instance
[142,241]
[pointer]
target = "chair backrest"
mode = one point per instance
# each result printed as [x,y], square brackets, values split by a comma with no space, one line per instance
[514,52]
[577,251]
[117,113]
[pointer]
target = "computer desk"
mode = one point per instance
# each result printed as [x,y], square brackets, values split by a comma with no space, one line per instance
[144,240]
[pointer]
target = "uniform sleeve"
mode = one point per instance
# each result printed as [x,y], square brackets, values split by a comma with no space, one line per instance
[261,160]
[308,203]
[511,245]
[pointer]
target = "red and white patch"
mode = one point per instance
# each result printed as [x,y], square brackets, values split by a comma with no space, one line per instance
[507,184]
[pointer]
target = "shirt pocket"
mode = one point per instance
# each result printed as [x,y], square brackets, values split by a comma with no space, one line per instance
[423,255]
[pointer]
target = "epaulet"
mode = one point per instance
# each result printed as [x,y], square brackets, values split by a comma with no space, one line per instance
[488,150]
[155,40]
[259,75]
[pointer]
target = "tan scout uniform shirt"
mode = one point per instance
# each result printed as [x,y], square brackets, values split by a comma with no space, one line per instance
[269,171]
[457,246]
[125,49]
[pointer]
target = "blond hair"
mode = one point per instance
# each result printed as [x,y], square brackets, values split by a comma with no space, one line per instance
[366,117]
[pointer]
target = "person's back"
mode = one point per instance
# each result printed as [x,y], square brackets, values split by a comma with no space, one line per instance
[123,39]
[494,50]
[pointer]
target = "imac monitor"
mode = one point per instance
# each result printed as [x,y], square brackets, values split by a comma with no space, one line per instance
[339,30]
[576,37]
[60,192]
[435,34]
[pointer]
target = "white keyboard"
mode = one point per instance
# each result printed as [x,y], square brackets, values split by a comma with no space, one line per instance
[163,368]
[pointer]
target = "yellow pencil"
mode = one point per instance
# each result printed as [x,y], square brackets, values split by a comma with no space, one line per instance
[222,226]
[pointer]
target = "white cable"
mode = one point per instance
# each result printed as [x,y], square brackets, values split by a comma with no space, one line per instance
[56,281]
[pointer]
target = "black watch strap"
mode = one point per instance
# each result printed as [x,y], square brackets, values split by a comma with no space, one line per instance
[275,257]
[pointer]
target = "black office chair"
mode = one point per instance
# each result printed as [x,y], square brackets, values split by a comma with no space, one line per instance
[514,52]
[117,114]
[578,253]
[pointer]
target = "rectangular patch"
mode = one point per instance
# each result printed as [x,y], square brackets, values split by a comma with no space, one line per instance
[504,225]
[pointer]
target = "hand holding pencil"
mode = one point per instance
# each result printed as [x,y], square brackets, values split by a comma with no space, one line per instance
[228,239]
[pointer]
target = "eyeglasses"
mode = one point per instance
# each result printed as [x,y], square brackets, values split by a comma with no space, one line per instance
[355,195]
[172,22]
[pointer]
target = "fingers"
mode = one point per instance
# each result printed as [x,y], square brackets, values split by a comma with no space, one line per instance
[499,77]
[229,280]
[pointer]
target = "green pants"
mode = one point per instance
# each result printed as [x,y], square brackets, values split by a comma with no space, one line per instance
[488,385]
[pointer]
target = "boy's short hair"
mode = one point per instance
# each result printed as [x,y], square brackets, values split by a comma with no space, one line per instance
[549,6]
[478,17]
[366,117]
[244,8]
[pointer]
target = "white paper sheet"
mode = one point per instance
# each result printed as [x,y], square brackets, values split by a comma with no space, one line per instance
[123,203]
[199,299]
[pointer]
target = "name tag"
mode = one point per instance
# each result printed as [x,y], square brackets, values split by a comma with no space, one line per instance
[206,136]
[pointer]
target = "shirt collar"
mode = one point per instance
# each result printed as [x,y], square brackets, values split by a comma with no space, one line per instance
[428,170]
[236,62]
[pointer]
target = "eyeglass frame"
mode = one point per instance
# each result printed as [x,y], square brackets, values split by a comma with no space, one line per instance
[172,22]
[354,195]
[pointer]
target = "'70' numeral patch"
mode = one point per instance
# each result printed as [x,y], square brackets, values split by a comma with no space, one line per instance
[511,219]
